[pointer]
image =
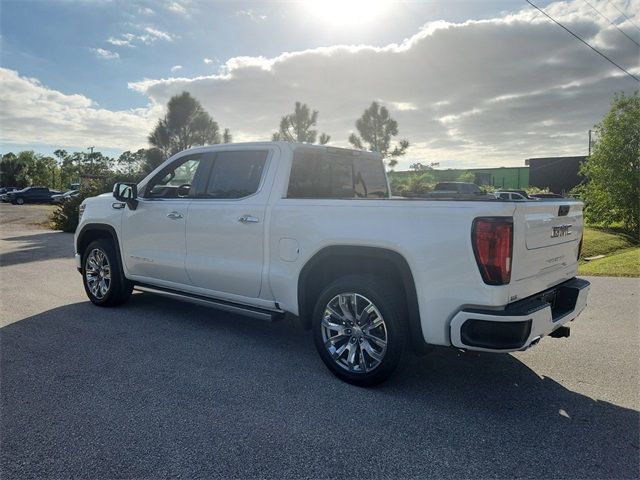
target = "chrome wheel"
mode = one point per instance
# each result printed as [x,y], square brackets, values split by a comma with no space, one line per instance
[97,273]
[354,333]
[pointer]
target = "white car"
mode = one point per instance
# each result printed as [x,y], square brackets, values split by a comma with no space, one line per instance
[62,197]
[276,228]
[510,196]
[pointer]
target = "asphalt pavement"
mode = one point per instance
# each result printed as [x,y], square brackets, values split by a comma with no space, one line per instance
[159,388]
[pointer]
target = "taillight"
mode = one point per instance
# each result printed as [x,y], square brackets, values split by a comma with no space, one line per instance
[492,240]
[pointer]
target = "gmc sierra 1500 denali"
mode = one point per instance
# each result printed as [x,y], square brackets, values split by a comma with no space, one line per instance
[275,228]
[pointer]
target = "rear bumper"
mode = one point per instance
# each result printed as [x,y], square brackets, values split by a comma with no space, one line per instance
[520,324]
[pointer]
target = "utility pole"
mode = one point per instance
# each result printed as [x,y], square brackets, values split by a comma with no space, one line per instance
[589,142]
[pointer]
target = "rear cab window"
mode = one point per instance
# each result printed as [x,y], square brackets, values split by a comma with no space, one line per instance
[336,174]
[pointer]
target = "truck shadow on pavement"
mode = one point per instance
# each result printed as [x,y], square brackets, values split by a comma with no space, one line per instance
[38,247]
[160,388]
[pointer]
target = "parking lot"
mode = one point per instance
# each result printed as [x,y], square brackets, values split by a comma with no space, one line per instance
[158,388]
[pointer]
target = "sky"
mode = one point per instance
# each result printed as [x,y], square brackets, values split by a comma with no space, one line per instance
[473,83]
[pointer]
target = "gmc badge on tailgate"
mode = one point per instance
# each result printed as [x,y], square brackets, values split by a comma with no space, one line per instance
[561,230]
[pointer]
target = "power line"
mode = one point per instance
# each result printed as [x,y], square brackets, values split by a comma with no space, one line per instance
[583,41]
[619,29]
[623,14]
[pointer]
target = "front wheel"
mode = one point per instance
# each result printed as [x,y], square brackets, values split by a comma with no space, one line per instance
[359,328]
[20,201]
[104,281]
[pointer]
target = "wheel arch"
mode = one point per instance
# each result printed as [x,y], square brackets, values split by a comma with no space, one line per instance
[335,261]
[94,231]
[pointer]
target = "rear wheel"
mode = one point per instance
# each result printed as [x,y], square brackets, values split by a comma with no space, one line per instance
[103,279]
[359,329]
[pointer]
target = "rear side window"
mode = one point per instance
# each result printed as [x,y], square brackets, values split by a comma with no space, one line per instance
[236,174]
[369,178]
[319,174]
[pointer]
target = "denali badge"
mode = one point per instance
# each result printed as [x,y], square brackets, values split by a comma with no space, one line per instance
[561,230]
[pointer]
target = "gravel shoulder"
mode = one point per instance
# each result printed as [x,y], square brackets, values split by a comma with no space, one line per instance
[24,217]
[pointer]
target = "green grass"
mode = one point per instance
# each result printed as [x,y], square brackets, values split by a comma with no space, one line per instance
[604,242]
[622,254]
[625,263]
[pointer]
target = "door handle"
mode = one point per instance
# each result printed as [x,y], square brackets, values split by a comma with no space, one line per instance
[174,215]
[248,219]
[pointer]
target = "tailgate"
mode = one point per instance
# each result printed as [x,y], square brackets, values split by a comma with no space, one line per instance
[547,235]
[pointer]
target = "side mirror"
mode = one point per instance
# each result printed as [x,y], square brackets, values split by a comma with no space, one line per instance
[126,192]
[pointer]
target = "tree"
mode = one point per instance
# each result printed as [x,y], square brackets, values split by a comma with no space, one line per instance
[467,176]
[12,171]
[29,169]
[153,158]
[95,163]
[226,136]
[185,125]
[376,128]
[297,126]
[418,167]
[132,162]
[612,191]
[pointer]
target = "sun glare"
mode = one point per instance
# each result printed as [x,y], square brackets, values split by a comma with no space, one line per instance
[346,12]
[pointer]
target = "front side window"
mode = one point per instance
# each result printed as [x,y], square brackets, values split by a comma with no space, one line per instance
[176,181]
[320,174]
[236,174]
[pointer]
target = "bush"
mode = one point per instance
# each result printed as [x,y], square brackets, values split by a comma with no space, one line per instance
[65,217]
[534,190]
[613,170]
[414,184]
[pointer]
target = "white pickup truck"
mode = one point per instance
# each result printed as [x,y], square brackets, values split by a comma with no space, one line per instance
[276,228]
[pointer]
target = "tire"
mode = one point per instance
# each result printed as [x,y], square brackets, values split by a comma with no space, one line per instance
[19,201]
[102,276]
[354,348]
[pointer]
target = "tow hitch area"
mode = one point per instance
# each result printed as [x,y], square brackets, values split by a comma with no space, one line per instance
[561,332]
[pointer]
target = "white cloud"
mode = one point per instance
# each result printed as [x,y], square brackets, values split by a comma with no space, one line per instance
[148,35]
[120,42]
[31,113]
[105,54]
[251,15]
[478,93]
[403,106]
[490,92]
[175,68]
[177,8]
[154,34]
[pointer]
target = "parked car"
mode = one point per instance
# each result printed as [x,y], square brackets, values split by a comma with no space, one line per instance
[62,197]
[4,191]
[545,195]
[465,188]
[31,195]
[276,228]
[507,195]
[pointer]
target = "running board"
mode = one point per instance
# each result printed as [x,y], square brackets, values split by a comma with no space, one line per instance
[254,312]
